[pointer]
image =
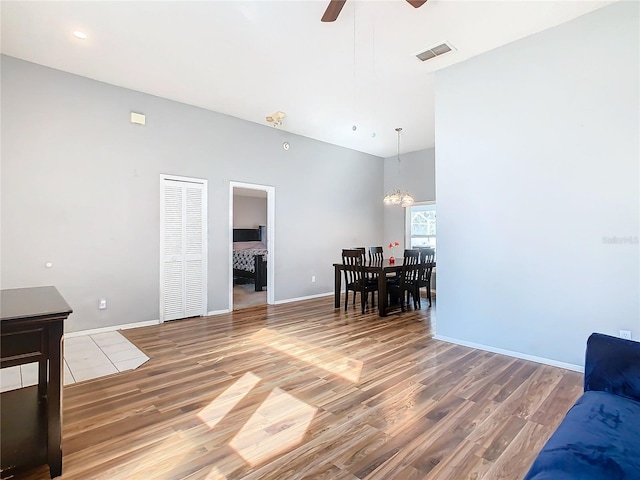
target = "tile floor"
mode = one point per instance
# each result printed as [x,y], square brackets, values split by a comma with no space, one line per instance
[85,357]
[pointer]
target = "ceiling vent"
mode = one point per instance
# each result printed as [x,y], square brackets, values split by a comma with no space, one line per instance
[436,51]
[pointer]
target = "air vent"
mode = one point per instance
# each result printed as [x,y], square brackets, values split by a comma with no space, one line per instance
[435,51]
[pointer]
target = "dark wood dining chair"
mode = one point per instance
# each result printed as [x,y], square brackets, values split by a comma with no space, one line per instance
[376,254]
[354,276]
[408,281]
[427,257]
[370,278]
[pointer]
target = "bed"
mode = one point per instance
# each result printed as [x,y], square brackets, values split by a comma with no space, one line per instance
[250,256]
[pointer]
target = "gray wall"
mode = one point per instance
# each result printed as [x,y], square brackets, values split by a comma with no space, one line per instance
[415,173]
[538,162]
[80,189]
[249,212]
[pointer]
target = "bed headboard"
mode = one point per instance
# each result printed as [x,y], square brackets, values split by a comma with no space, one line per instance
[246,235]
[250,234]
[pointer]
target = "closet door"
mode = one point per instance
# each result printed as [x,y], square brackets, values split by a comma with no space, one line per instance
[183,247]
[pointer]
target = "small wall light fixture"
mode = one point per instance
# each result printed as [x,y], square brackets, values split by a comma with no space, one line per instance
[276,118]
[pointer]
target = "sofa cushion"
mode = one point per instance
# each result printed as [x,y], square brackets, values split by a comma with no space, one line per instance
[613,365]
[598,439]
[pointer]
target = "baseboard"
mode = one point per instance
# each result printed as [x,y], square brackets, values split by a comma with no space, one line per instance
[298,299]
[112,328]
[510,353]
[218,312]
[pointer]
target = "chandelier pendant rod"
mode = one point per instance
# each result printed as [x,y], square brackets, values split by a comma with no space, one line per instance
[396,196]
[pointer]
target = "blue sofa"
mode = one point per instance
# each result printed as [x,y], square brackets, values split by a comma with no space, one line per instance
[599,438]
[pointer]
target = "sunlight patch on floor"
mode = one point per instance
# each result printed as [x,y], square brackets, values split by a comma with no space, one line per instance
[335,363]
[278,424]
[227,400]
[215,474]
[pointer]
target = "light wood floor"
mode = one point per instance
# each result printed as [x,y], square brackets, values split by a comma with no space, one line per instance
[302,390]
[246,296]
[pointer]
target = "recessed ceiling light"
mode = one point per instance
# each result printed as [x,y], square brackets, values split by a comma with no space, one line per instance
[80,35]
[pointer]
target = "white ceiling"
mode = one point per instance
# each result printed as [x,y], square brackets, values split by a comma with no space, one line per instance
[250,59]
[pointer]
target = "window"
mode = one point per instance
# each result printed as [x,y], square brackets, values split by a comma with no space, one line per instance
[421,225]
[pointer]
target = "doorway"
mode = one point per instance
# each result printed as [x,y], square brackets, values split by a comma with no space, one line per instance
[251,225]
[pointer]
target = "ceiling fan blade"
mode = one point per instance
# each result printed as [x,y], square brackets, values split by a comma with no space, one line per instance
[417,3]
[333,10]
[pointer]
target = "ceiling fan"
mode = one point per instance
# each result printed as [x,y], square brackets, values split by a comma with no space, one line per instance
[333,10]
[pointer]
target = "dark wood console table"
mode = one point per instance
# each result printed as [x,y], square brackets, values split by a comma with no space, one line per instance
[31,330]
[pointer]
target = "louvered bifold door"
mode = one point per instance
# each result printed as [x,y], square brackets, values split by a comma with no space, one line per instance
[195,248]
[183,250]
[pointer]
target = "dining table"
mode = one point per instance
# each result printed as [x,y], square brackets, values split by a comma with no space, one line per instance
[379,268]
[376,267]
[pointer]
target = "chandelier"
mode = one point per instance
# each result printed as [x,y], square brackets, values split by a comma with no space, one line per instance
[397,196]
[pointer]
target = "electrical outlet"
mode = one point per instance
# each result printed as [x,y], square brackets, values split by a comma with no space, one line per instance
[102,304]
[313,279]
[625,334]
